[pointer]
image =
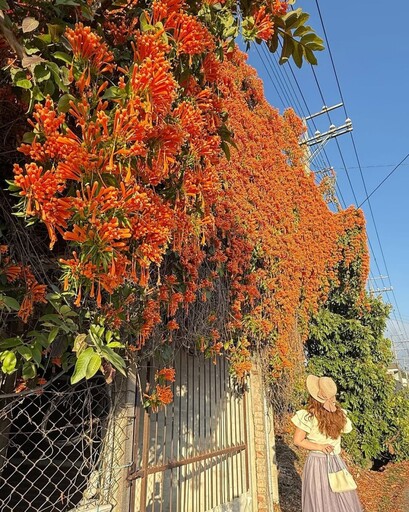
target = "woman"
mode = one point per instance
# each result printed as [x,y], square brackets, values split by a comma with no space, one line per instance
[319,430]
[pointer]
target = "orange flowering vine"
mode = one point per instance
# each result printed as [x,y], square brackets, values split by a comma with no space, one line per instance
[126,168]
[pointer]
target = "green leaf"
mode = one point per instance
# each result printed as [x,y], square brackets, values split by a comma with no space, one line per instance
[113,358]
[29,371]
[10,343]
[115,344]
[297,54]
[145,26]
[65,75]
[25,352]
[31,48]
[226,149]
[37,94]
[13,188]
[64,309]
[23,83]
[312,38]
[302,18]
[56,74]
[273,43]
[4,5]
[309,55]
[80,343]
[50,317]
[86,12]
[63,56]
[29,24]
[49,88]
[64,106]
[28,137]
[288,47]
[9,362]
[80,370]
[114,92]
[291,18]
[315,47]
[93,366]
[53,334]
[41,73]
[45,38]
[301,31]
[10,302]
[55,31]
[37,354]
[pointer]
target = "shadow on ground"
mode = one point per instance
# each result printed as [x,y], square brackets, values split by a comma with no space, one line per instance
[289,481]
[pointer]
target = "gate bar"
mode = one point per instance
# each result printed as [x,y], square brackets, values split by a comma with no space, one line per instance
[142,473]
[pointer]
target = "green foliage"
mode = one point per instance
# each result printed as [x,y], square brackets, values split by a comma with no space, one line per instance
[352,349]
[58,336]
[299,41]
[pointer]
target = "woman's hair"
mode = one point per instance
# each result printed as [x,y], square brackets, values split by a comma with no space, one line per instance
[330,424]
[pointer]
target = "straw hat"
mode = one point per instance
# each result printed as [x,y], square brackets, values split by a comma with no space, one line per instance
[323,389]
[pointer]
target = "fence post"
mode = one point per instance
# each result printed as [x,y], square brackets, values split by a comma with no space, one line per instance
[264,477]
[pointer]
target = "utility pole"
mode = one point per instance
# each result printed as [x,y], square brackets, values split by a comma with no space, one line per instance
[328,175]
[320,139]
[373,290]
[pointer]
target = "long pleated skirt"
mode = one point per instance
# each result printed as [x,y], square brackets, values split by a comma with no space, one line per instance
[316,492]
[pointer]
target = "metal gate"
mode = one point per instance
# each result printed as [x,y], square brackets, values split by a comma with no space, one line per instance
[192,456]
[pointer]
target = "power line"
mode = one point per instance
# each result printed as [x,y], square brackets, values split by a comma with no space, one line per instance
[372,166]
[383,181]
[359,163]
[269,74]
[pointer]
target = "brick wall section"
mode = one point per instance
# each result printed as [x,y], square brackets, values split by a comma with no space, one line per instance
[257,416]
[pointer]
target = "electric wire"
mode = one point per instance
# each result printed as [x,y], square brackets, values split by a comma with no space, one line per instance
[360,167]
[268,72]
[286,91]
[383,181]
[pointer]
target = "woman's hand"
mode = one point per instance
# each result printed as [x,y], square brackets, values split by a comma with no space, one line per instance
[327,448]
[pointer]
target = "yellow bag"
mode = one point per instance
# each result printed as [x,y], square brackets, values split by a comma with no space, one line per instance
[340,480]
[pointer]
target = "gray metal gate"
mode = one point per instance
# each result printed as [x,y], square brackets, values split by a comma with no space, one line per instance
[192,456]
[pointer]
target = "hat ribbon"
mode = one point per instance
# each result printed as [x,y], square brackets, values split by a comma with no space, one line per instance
[329,404]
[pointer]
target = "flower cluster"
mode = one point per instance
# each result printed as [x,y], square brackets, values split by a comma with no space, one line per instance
[128,171]
[32,292]
[280,242]
[145,214]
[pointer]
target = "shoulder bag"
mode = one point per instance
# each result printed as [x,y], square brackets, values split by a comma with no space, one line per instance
[340,479]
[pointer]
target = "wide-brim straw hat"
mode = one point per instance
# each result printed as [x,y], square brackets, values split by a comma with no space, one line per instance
[324,390]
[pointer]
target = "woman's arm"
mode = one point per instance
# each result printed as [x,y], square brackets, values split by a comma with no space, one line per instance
[301,441]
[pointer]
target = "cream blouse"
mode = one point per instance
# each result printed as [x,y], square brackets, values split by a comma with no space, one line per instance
[309,424]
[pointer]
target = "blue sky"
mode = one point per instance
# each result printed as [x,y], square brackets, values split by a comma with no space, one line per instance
[370,52]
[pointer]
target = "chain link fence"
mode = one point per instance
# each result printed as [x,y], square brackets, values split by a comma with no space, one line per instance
[62,447]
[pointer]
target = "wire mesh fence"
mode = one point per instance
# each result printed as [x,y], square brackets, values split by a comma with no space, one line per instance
[62,447]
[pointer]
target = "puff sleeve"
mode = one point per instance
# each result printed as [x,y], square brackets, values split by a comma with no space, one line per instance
[302,420]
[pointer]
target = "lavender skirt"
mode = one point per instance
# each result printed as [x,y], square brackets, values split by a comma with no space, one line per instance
[316,492]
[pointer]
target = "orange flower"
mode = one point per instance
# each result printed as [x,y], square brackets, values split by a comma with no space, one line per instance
[167,374]
[172,325]
[164,395]
[190,35]
[264,24]
[89,47]
[154,84]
